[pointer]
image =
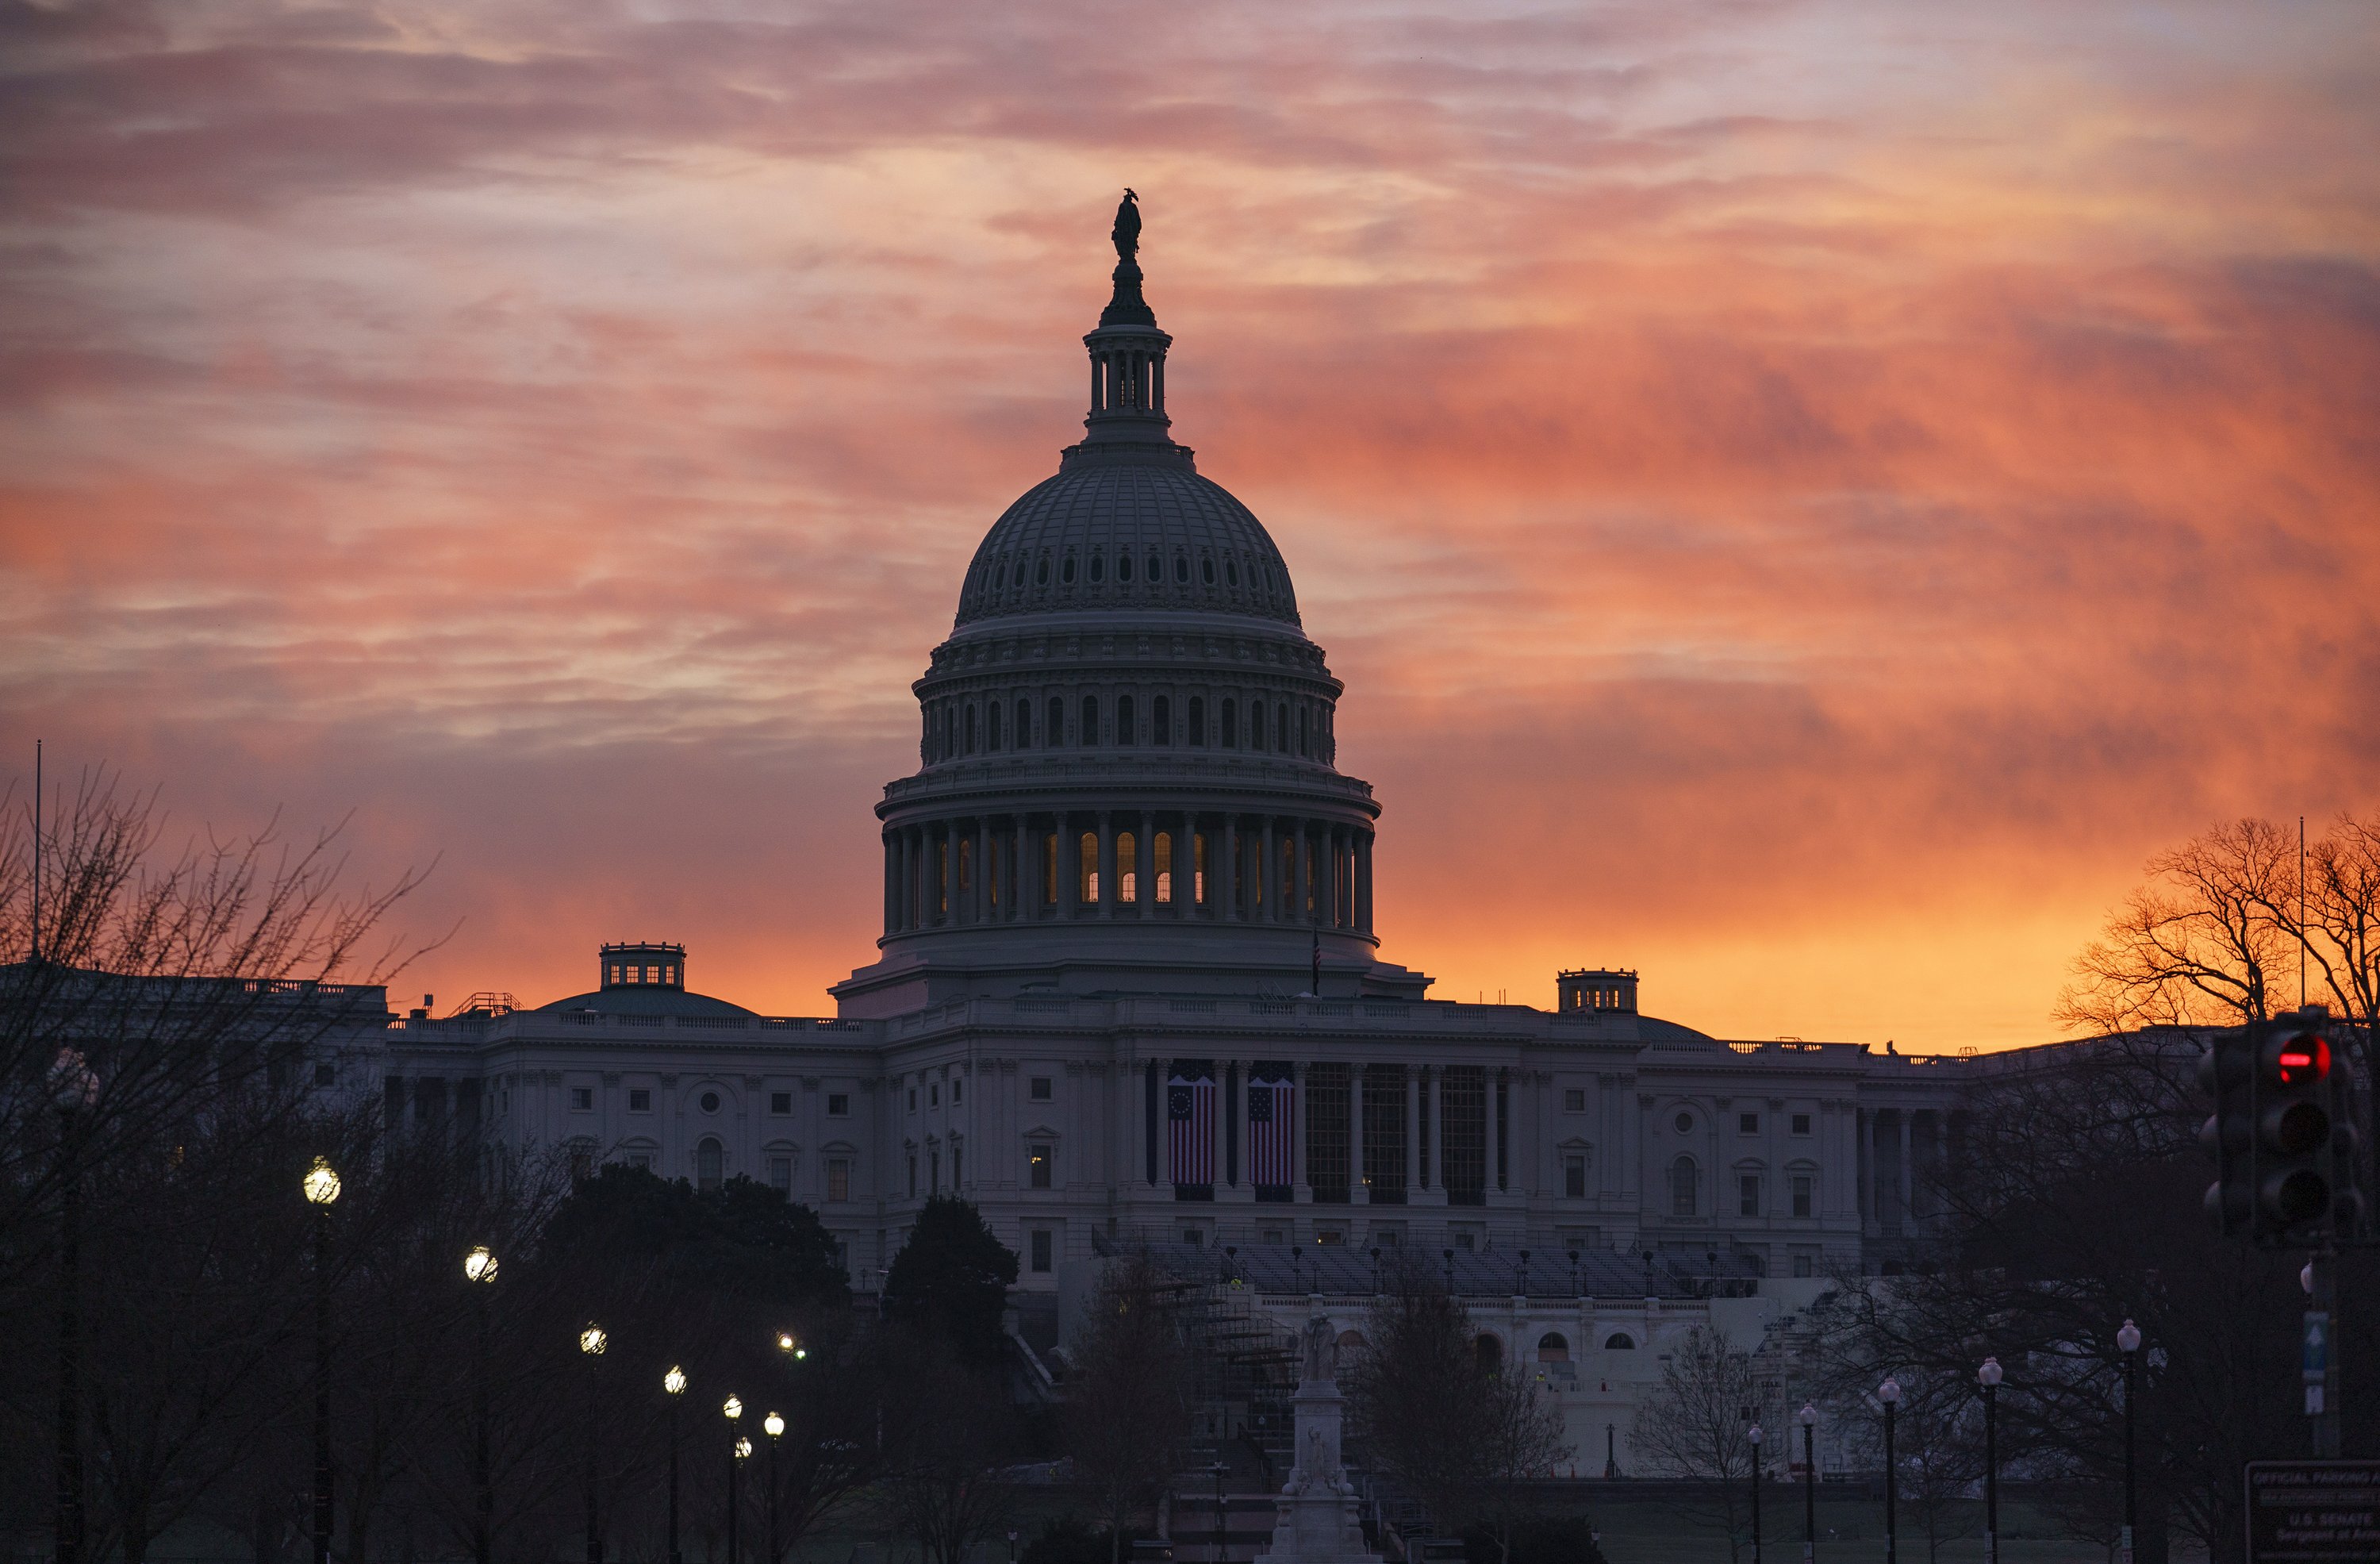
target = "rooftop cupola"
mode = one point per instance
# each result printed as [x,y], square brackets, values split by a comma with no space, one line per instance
[1128,353]
[642,965]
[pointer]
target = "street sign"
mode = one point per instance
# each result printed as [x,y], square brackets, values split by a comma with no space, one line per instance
[2314,1511]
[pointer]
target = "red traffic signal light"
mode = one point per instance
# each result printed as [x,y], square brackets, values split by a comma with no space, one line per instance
[2298,1059]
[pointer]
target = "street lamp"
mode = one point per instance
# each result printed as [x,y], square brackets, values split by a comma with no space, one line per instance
[2128,1341]
[1754,1437]
[72,1086]
[1809,1420]
[793,1350]
[480,1267]
[1990,1377]
[737,1449]
[776,1427]
[1889,1394]
[1218,1470]
[322,1187]
[673,1385]
[591,1342]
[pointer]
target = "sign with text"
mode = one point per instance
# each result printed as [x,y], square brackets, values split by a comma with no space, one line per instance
[2314,1511]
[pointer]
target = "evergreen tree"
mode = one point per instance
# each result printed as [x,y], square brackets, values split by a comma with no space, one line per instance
[949,1282]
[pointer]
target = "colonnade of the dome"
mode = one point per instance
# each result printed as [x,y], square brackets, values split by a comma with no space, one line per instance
[1182,864]
[961,727]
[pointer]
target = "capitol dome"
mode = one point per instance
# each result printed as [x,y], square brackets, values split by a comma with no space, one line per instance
[1127,745]
[1132,529]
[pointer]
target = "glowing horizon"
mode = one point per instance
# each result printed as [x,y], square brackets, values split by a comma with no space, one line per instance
[1804,498]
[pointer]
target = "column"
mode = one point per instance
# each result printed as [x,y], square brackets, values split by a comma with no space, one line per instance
[1302,877]
[1356,1193]
[1070,868]
[1107,865]
[890,880]
[1267,874]
[1364,882]
[1495,1146]
[1145,877]
[1437,1127]
[984,908]
[1907,1174]
[1016,876]
[1303,1191]
[1412,1132]
[1227,870]
[1219,1146]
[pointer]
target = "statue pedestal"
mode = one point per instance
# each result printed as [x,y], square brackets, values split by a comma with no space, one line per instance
[1318,1522]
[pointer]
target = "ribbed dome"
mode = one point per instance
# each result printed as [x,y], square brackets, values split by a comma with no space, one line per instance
[1116,531]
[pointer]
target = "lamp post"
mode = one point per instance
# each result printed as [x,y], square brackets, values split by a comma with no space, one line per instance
[1449,1255]
[480,1268]
[1990,1377]
[2128,1341]
[72,1086]
[591,1342]
[1222,1534]
[673,1385]
[737,1449]
[776,1427]
[1889,1394]
[322,1187]
[1754,1437]
[1808,1416]
[794,1351]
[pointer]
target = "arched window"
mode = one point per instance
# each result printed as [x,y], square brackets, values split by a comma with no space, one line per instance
[1620,1341]
[1023,725]
[1156,569]
[1489,1352]
[1124,566]
[1090,733]
[1162,864]
[970,730]
[1198,869]
[708,1158]
[1301,731]
[1207,569]
[1281,728]
[1127,867]
[1198,721]
[1098,565]
[1231,725]
[991,726]
[1127,730]
[1066,571]
[1553,1348]
[1055,733]
[1160,720]
[1087,857]
[1181,569]
[1681,1187]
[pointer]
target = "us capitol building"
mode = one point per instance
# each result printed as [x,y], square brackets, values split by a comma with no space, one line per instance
[1129,986]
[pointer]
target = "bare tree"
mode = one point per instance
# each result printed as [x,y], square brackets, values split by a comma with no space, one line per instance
[945,1488]
[1458,1435]
[1697,1424]
[1127,1406]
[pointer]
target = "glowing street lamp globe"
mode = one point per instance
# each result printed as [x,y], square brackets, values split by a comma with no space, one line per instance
[480,1265]
[743,1449]
[592,1341]
[675,1381]
[734,1409]
[1889,1391]
[321,1182]
[773,1424]
[1808,1414]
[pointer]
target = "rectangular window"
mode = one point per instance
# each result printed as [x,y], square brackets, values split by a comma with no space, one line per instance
[934,1172]
[1574,1176]
[1806,1194]
[1384,1134]
[1041,1247]
[780,1103]
[1803,1265]
[1198,869]
[1127,851]
[1039,1088]
[957,1178]
[1328,1128]
[913,1099]
[781,1175]
[582,1099]
[1040,1157]
[1574,1099]
[1747,1191]
[1271,1235]
[838,1104]
[913,1175]
[1747,1124]
[1800,1124]
[1462,1102]
[933,1093]
[1329,1238]
[959,1090]
[641,1099]
[1162,864]
[641,1159]
[1086,866]
[838,1178]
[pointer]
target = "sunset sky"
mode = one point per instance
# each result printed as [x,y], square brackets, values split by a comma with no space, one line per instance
[1804,498]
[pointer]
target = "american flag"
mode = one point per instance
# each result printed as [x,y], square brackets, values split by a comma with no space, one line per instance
[1190,1128]
[1272,1139]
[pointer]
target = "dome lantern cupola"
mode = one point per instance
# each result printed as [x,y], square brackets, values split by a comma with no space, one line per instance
[1127,352]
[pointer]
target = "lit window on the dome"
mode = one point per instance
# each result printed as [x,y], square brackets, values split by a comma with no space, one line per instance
[1207,568]
[1041,574]
[1124,568]
[1181,569]
[1099,566]
[1066,571]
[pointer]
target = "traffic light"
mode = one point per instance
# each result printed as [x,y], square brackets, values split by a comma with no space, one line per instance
[2283,1134]
[2227,1073]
